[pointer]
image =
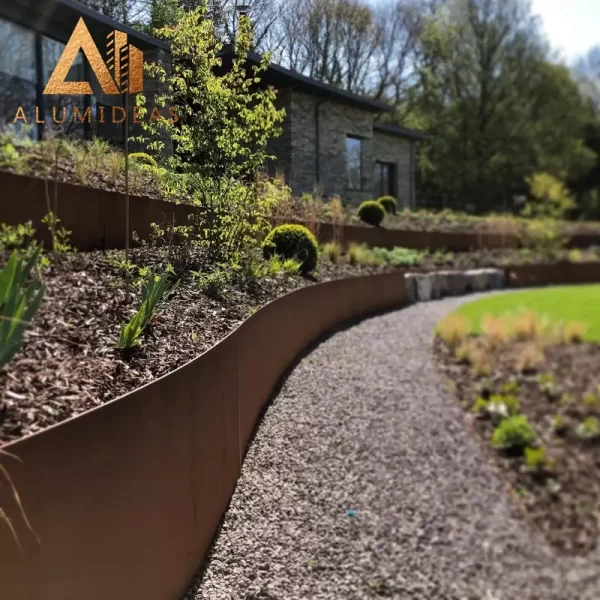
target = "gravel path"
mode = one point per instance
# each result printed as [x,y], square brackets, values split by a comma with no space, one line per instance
[364,482]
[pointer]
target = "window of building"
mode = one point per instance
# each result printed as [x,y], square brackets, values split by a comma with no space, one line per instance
[17,72]
[354,162]
[385,176]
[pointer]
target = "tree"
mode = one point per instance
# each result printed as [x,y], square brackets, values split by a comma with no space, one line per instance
[497,108]
[221,133]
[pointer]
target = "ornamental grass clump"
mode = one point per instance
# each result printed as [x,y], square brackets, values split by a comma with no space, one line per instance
[389,203]
[154,292]
[371,212]
[514,434]
[333,251]
[20,299]
[453,330]
[293,241]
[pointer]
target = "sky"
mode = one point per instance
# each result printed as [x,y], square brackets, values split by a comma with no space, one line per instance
[572,26]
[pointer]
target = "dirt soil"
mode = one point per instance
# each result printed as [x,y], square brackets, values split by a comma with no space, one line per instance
[564,503]
[69,362]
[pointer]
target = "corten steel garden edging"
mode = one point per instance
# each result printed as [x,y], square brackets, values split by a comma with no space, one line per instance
[96,217]
[552,274]
[126,498]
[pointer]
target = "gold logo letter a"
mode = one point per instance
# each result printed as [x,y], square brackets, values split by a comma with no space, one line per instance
[80,40]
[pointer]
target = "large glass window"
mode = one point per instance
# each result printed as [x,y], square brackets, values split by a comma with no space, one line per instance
[17,72]
[354,162]
[59,105]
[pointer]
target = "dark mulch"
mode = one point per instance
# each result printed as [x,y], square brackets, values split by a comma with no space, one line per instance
[69,362]
[565,502]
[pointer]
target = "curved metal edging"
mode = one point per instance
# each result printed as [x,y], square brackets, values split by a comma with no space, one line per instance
[126,498]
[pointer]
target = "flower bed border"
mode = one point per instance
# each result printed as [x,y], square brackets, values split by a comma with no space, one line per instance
[126,498]
[96,218]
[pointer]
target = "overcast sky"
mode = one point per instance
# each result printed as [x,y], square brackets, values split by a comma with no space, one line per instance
[572,26]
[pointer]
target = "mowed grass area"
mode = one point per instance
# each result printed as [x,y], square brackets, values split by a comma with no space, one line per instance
[578,303]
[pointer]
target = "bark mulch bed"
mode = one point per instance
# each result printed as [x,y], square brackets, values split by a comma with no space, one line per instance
[564,502]
[69,362]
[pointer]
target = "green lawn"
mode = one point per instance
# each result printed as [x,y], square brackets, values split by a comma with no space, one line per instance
[569,303]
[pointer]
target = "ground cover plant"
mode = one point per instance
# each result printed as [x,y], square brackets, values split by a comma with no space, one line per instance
[524,366]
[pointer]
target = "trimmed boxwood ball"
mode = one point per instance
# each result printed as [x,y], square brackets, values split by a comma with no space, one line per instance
[389,204]
[293,241]
[371,212]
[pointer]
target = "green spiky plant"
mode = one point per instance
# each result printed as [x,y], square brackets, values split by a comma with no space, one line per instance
[154,291]
[20,299]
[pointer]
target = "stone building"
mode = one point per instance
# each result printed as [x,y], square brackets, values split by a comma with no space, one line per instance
[332,143]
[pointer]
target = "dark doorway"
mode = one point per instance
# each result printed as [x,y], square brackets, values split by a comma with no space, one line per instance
[385,177]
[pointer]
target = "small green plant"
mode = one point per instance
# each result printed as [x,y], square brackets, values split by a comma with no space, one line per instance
[143,158]
[20,299]
[559,424]
[10,157]
[497,407]
[589,400]
[333,251]
[60,236]
[16,237]
[291,266]
[589,429]
[399,257]
[371,212]
[566,399]
[213,284]
[537,460]
[514,434]
[389,203]
[293,241]
[546,384]
[511,387]
[359,254]
[98,149]
[154,292]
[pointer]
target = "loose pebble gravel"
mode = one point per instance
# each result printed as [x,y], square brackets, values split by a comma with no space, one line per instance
[363,481]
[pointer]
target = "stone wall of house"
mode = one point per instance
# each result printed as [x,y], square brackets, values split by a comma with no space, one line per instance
[336,121]
[398,151]
[281,147]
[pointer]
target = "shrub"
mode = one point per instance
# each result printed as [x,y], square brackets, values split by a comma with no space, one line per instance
[359,254]
[212,284]
[389,204]
[371,212]
[453,330]
[333,251]
[537,460]
[549,197]
[589,429]
[293,241]
[143,159]
[514,434]
[20,299]
[400,257]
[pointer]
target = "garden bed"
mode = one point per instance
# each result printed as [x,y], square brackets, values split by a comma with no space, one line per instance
[549,374]
[69,362]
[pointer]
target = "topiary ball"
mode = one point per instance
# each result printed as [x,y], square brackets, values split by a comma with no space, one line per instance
[293,241]
[389,204]
[371,212]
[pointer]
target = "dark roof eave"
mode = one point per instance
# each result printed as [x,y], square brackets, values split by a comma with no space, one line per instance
[402,131]
[90,13]
[322,89]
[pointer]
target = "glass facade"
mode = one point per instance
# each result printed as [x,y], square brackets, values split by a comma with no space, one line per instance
[18,75]
[354,162]
[22,82]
